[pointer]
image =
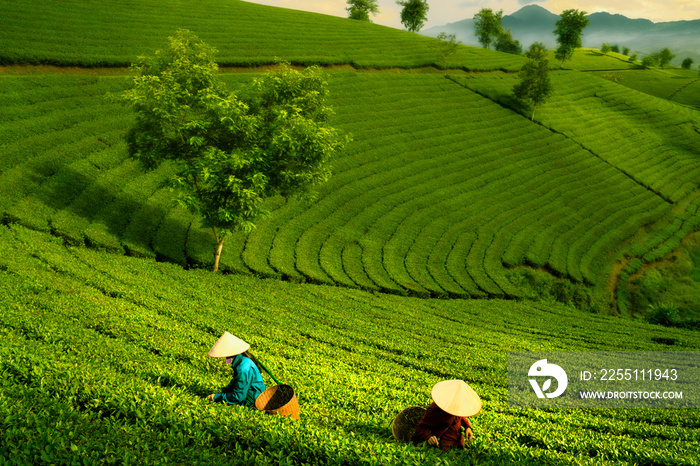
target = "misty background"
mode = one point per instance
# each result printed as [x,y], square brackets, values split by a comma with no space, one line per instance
[535,24]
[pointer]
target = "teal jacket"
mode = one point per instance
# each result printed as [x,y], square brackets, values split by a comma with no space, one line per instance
[246,385]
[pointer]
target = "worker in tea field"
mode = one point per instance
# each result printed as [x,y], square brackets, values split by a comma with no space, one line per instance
[247,382]
[441,426]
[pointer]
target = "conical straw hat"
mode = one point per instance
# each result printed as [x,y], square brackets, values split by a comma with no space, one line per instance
[228,345]
[456,397]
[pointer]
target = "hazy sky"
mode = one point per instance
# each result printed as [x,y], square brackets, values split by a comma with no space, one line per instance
[448,11]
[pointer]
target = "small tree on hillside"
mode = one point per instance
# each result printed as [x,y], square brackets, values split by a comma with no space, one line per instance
[605,48]
[633,58]
[615,48]
[534,86]
[361,9]
[414,14]
[625,51]
[507,44]
[687,63]
[446,46]
[664,57]
[230,151]
[569,30]
[488,26]
[650,61]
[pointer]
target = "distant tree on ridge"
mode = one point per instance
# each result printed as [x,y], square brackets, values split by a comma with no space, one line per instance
[488,26]
[361,9]
[650,61]
[605,48]
[534,86]
[569,30]
[625,51]
[447,45]
[664,57]
[687,63]
[414,13]
[507,44]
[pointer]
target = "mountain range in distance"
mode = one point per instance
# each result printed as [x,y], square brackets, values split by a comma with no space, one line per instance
[533,23]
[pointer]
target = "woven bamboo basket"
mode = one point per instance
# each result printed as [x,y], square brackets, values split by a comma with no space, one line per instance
[404,425]
[279,399]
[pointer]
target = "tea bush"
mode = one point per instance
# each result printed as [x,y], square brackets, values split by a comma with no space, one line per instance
[102,360]
[94,33]
[426,202]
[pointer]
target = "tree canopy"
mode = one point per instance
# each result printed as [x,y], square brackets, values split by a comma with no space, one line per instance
[414,13]
[534,86]
[361,9]
[488,26]
[569,29]
[446,46]
[231,151]
[506,43]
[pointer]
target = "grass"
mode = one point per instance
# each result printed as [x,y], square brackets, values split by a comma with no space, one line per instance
[103,33]
[442,191]
[447,191]
[118,345]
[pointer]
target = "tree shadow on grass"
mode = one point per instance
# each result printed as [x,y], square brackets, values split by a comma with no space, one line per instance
[89,200]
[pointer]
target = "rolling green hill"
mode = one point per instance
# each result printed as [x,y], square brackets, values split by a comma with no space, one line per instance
[112,33]
[103,360]
[444,190]
[447,191]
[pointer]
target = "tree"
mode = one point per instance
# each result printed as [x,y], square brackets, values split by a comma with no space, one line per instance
[414,14]
[633,58]
[569,30]
[507,44]
[605,48]
[687,63]
[534,86]
[361,9]
[625,51]
[230,151]
[446,46]
[664,57]
[650,61]
[563,53]
[615,48]
[488,26]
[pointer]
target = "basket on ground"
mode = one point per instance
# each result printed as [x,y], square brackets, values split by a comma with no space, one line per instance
[404,425]
[279,399]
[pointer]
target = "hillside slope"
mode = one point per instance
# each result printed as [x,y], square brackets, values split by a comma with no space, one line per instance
[102,359]
[533,23]
[442,193]
[108,33]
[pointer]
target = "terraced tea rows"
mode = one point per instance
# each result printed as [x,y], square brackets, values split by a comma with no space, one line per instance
[118,345]
[650,140]
[440,192]
[104,33]
[463,186]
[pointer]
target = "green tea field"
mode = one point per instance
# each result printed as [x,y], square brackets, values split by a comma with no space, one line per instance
[453,230]
[103,360]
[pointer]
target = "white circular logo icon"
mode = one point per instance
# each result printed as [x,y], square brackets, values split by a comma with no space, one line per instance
[543,369]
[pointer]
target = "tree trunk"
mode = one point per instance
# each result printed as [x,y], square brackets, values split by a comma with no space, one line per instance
[219,247]
[533,114]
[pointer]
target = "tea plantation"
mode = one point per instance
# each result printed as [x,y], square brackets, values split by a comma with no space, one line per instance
[103,359]
[412,265]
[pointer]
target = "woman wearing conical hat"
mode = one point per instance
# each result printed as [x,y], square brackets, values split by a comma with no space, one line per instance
[453,402]
[247,382]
